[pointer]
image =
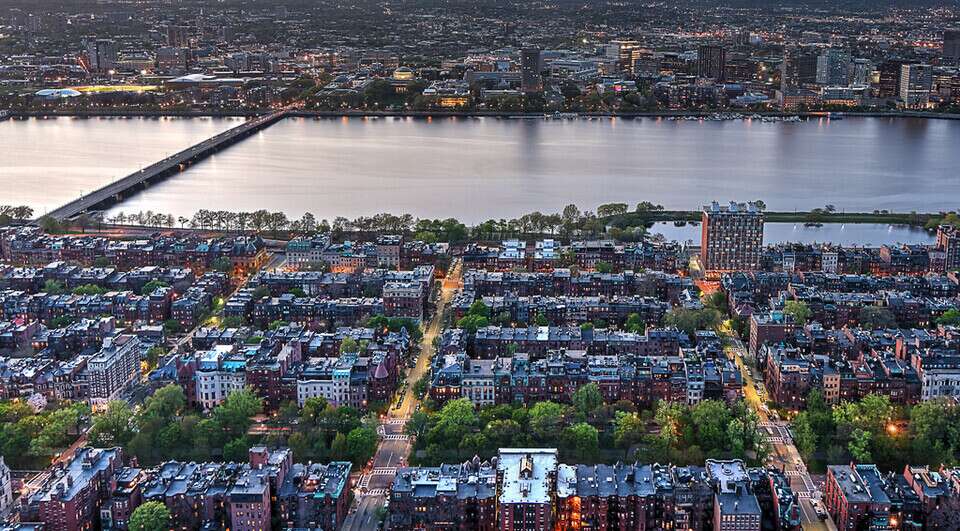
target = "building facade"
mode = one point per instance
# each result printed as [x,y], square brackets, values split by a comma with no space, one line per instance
[731,237]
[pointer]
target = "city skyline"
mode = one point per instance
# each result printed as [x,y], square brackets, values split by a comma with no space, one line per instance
[477,265]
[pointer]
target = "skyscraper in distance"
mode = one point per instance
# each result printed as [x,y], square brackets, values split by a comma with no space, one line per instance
[890,77]
[530,79]
[833,67]
[101,54]
[951,45]
[798,69]
[916,80]
[177,36]
[625,52]
[712,62]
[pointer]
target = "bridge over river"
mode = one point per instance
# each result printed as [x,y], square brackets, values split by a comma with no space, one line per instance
[115,192]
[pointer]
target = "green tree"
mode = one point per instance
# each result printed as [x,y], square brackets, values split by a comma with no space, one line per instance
[338,448]
[113,427]
[479,308]
[582,441]
[502,433]
[53,287]
[803,435]
[628,429]
[221,264]
[150,516]
[935,435]
[587,400]
[154,354]
[474,444]
[877,317]
[672,420]
[349,345]
[172,326]
[236,451]
[152,286]
[546,419]
[260,292]
[50,225]
[471,323]
[603,267]
[635,324]
[711,417]
[361,444]
[717,301]
[689,321]
[234,414]
[859,446]
[166,403]
[89,289]
[612,209]
[233,321]
[418,424]
[62,321]
[950,317]
[798,310]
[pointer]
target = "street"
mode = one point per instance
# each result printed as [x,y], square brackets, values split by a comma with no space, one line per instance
[785,455]
[374,486]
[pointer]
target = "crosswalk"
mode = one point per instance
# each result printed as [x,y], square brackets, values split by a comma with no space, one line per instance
[395,437]
[374,492]
[397,421]
[377,471]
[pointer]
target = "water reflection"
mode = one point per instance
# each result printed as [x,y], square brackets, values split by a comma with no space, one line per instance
[46,162]
[866,234]
[475,169]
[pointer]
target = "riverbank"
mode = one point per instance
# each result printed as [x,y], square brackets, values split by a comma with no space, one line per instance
[913,219]
[134,113]
[300,113]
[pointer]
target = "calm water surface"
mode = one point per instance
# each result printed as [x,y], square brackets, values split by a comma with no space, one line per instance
[479,168]
[867,234]
[45,163]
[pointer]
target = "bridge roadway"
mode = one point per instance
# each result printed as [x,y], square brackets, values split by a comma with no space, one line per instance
[115,191]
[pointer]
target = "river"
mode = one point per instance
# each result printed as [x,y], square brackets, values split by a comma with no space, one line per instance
[45,163]
[866,234]
[480,168]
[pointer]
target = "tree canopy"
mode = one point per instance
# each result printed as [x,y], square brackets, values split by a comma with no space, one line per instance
[150,516]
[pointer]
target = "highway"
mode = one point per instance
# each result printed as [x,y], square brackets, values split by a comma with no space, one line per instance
[785,455]
[374,486]
[163,167]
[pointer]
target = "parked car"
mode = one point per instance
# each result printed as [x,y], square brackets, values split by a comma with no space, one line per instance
[819,509]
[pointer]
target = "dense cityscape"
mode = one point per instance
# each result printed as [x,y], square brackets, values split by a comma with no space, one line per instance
[404,56]
[634,364]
